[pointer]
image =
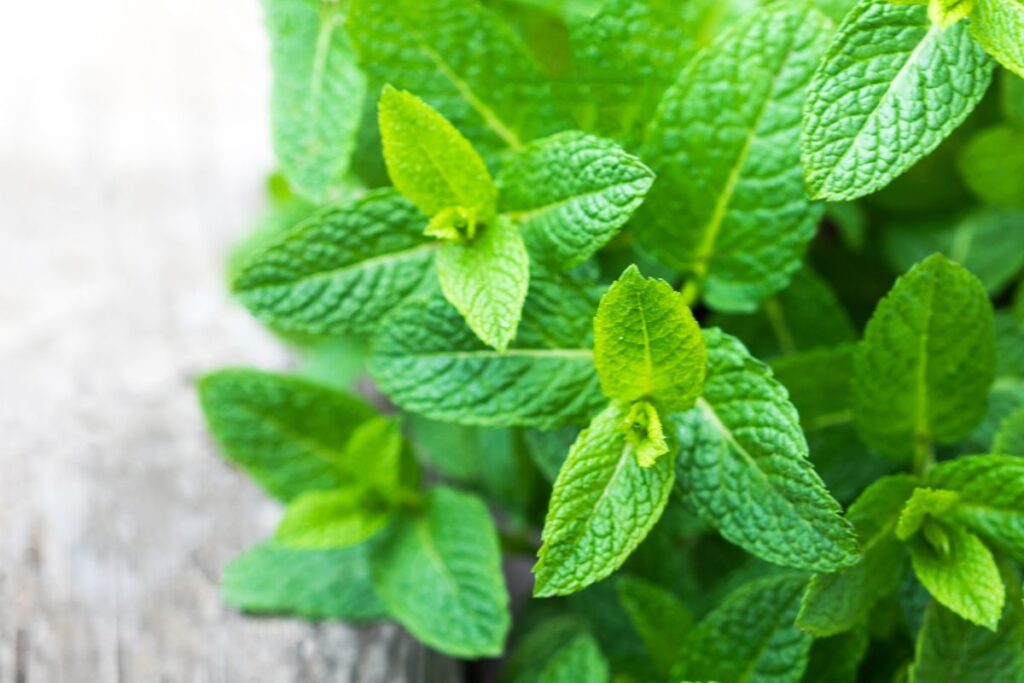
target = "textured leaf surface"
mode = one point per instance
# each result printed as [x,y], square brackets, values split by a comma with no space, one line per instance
[951,650]
[313,584]
[339,271]
[818,382]
[729,205]
[750,637]
[571,193]
[927,360]
[462,61]
[317,98]
[999,26]
[992,165]
[427,361]
[892,87]
[288,434]
[837,602]
[560,650]
[322,520]
[429,160]
[487,280]
[603,504]
[963,577]
[439,574]
[647,344]
[743,465]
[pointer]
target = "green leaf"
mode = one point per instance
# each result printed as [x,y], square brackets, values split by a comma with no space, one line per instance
[837,659]
[990,490]
[375,457]
[951,650]
[486,279]
[557,651]
[285,432]
[927,360]
[439,574]
[818,382]
[647,345]
[603,505]
[960,572]
[571,193]
[837,602]
[322,520]
[312,584]
[339,271]
[1010,437]
[662,621]
[945,13]
[924,503]
[430,162]
[998,25]
[427,361]
[317,98]
[729,206]
[439,48]
[750,637]
[1012,97]
[743,466]
[977,241]
[892,86]
[992,166]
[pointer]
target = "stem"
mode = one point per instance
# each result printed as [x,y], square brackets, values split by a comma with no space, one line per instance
[690,293]
[924,454]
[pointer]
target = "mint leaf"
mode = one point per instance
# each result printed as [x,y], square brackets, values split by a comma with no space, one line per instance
[992,165]
[1010,437]
[439,574]
[285,432]
[313,584]
[658,616]
[317,98]
[1012,97]
[339,271]
[603,504]
[837,659]
[729,206]
[427,361]
[951,650]
[559,650]
[960,572]
[486,279]
[998,25]
[647,344]
[945,13]
[837,602]
[743,466]
[438,49]
[990,492]
[750,637]
[570,194]
[924,503]
[893,86]
[322,520]
[926,362]
[429,160]
[818,382]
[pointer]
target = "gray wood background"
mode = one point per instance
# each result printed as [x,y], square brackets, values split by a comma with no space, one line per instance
[133,147]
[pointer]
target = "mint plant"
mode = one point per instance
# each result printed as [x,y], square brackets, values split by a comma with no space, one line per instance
[711,312]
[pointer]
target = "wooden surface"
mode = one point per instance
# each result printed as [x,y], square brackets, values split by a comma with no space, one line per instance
[133,146]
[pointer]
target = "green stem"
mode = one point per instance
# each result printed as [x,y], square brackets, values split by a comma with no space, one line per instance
[690,293]
[924,454]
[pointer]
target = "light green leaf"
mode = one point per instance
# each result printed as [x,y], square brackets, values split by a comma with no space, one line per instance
[750,637]
[374,456]
[557,651]
[729,206]
[486,279]
[945,13]
[645,433]
[313,584]
[462,61]
[743,466]
[570,194]
[838,602]
[1010,437]
[924,503]
[602,506]
[339,271]
[951,650]
[285,432]
[927,360]
[990,489]
[429,160]
[339,518]
[960,572]
[317,98]
[992,166]
[818,382]
[977,241]
[439,574]
[647,344]
[427,361]
[998,25]
[893,86]
[662,621]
